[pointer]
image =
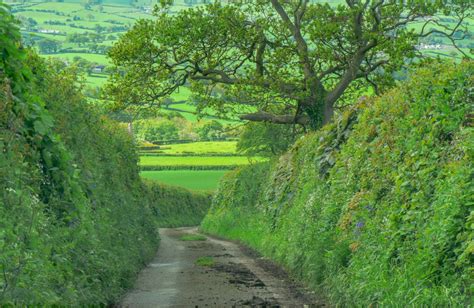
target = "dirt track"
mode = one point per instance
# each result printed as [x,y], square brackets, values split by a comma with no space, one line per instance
[237,277]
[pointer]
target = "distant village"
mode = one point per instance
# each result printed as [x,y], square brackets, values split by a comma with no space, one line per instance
[431,46]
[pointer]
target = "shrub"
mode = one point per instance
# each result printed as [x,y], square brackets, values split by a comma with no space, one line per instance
[153,130]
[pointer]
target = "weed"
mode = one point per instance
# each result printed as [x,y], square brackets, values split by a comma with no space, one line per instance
[205,261]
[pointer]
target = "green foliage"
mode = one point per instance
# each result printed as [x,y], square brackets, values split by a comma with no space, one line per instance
[212,130]
[199,148]
[265,139]
[205,261]
[286,62]
[176,206]
[376,208]
[76,221]
[48,46]
[74,229]
[189,167]
[156,130]
[195,160]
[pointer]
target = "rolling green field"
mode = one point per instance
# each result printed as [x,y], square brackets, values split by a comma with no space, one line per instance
[193,167]
[98,58]
[207,180]
[75,17]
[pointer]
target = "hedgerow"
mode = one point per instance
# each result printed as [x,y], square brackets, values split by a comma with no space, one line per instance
[76,221]
[176,206]
[377,207]
[188,167]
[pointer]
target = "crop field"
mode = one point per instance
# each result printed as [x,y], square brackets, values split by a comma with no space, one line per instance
[207,180]
[56,22]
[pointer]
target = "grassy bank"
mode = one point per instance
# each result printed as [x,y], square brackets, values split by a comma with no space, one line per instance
[176,206]
[77,223]
[376,208]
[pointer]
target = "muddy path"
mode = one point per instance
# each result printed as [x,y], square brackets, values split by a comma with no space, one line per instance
[212,273]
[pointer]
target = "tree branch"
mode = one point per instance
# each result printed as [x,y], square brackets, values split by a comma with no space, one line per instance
[315,83]
[275,119]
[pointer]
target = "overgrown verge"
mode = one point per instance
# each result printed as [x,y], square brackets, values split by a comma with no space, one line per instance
[76,221]
[376,208]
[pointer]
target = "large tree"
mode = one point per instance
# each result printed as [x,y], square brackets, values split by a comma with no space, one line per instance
[286,62]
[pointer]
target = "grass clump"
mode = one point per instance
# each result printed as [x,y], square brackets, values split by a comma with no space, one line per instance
[193,237]
[205,261]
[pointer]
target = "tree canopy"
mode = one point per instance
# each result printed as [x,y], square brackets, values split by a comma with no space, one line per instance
[285,62]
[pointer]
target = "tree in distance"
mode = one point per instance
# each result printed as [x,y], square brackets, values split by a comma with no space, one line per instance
[284,62]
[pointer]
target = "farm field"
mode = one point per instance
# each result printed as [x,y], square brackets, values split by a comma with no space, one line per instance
[196,166]
[97,58]
[207,180]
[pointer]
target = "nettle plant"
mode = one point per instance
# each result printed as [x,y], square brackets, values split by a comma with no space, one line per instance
[284,62]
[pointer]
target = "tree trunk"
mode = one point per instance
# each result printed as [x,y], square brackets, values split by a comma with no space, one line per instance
[318,110]
[328,113]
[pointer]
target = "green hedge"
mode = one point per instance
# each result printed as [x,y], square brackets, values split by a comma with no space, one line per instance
[376,208]
[76,221]
[176,206]
[187,154]
[187,167]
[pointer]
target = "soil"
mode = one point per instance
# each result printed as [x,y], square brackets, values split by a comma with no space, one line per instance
[238,277]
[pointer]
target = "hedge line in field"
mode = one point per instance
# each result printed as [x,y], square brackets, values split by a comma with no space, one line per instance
[187,167]
[187,154]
